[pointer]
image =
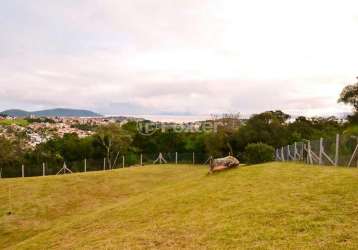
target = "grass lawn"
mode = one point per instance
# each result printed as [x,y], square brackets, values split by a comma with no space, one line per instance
[268,206]
[20,122]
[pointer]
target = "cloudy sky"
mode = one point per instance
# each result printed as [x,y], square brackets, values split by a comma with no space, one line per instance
[178,56]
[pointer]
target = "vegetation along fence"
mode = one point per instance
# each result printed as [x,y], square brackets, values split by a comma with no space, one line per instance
[339,151]
[86,165]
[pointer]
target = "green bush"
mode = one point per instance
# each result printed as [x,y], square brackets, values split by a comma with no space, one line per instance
[258,153]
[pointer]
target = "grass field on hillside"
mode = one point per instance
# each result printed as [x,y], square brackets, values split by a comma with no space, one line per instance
[268,206]
[20,122]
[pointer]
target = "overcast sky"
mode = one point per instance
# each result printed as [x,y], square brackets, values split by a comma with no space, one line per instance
[178,56]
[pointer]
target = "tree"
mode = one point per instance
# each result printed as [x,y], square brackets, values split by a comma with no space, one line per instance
[349,96]
[113,139]
[269,127]
[215,144]
[313,128]
[11,152]
[258,153]
[353,119]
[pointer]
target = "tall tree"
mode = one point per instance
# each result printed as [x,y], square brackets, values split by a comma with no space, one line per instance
[269,127]
[349,96]
[113,140]
[10,152]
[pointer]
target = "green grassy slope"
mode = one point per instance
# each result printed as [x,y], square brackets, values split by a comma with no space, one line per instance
[268,206]
[8,122]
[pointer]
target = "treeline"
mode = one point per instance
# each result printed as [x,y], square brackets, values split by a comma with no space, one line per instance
[273,128]
[260,134]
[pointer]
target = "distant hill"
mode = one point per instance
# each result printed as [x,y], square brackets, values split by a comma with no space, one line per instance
[51,113]
[16,113]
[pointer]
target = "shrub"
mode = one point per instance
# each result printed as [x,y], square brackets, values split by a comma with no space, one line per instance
[258,153]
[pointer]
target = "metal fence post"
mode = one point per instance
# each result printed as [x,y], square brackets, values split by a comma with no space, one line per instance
[302,152]
[308,152]
[288,153]
[357,156]
[104,163]
[85,165]
[123,161]
[43,169]
[320,150]
[176,157]
[141,159]
[336,160]
[353,155]
[193,158]
[282,155]
[309,157]
[289,156]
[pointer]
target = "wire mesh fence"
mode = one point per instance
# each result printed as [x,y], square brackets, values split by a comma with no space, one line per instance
[341,150]
[87,165]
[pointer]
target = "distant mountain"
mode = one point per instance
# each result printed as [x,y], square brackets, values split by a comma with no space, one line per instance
[16,113]
[51,113]
[65,112]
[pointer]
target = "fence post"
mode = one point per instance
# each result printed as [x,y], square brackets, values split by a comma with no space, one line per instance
[123,161]
[302,152]
[320,150]
[309,159]
[295,152]
[23,170]
[288,153]
[336,160]
[85,165]
[282,155]
[104,164]
[357,156]
[353,155]
[176,157]
[309,152]
[43,169]
[193,158]
[141,159]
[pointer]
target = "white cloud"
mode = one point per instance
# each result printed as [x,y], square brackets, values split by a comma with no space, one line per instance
[178,56]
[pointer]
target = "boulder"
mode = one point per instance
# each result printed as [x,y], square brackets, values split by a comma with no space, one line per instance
[224,163]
